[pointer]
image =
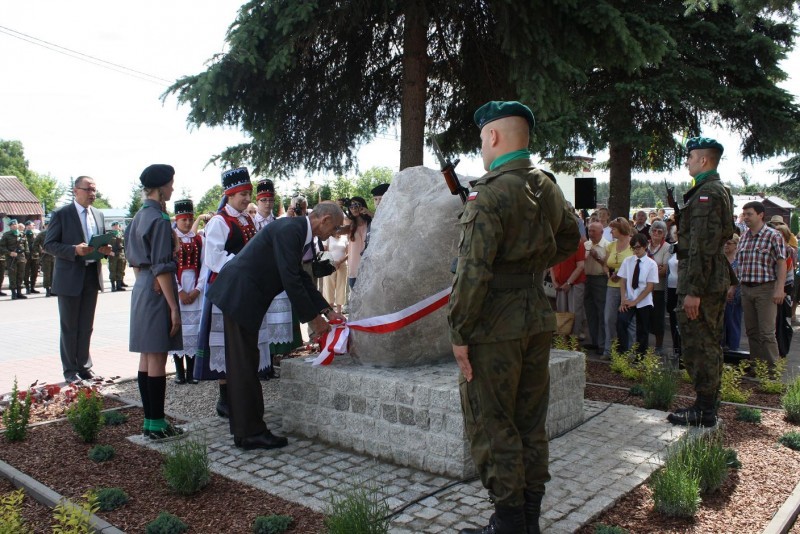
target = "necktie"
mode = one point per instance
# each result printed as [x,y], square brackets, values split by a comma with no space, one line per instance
[86,233]
[308,255]
[635,280]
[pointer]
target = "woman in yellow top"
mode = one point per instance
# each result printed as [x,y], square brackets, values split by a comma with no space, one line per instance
[616,251]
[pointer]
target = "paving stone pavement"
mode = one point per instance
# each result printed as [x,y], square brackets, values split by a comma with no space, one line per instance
[612,452]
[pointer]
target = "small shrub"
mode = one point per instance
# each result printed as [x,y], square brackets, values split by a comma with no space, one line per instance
[85,415]
[101,453]
[566,343]
[731,386]
[791,440]
[74,518]
[685,376]
[732,459]
[608,529]
[11,520]
[114,418]
[621,363]
[660,388]
[111,498]
[637,390]
[15,417]
[748,415]
[186,467]
[166,523]
[676,491]
[704,456]
[791,401]
[357,510]
[271,524]
[770,381]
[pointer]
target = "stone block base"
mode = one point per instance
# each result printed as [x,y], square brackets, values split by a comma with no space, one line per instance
[408,416]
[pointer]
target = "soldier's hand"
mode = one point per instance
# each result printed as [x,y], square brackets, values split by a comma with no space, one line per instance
[691,305]
[13,255]
[461,352]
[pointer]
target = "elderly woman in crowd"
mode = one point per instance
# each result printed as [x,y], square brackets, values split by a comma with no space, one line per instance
[658,250]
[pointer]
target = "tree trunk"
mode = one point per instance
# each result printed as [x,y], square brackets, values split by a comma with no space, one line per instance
[414,90]
[619,163]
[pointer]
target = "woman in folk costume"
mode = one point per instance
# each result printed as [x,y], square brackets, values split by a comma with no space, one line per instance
[155,322]
[226,234]
[280,332]
[190,287]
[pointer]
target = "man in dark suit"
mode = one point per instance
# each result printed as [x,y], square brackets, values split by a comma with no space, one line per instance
[76,280]
[270,263]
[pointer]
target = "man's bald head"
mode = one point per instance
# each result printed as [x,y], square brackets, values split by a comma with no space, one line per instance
[502,136]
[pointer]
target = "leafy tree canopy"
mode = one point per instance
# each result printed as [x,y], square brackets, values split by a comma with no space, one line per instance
[13,163]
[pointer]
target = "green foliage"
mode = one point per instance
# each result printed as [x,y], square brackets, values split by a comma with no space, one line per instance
[186,467]
[357,509]
[704,456]
[74,518]
[560,342]
[732,459]
[794,223]
[101,453]
[791,440]
[636,390]
[271,524]
[135,203]
[114,418]
[676,491]
[660,388]
[770,381]
[111,498]
[685,378]
[748,415]
[731,387]
[791,401]
[166,523]
[601,528]
[210,200]
[11,520]
[85,415]
[16,416]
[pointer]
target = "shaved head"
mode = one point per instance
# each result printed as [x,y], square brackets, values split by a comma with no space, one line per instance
[502,136]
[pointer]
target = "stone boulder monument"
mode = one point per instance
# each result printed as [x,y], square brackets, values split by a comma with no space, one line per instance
[413,240]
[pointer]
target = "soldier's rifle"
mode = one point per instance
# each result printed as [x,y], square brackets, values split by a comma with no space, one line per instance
[671,202]
[449,172]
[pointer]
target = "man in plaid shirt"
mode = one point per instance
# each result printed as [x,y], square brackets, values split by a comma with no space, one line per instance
[762,272]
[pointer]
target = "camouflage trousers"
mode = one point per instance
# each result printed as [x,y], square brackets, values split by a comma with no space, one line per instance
[47,270]
[700,343]
[3,271]
[16,272]
[505,410]
[31,272]
[116,268]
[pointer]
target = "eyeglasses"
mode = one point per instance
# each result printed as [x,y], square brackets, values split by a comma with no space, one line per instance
[355,205]
[636,247]
[89,189]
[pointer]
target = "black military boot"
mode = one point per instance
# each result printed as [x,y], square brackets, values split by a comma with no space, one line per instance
[27,289]
[19,294]
[33,289]
[14,294]
[47,292]
[119,286]
[533,509]
[703,413]
[222,401]
[504,520]
[122,283]
[190,379]
[113,286]
[180,374]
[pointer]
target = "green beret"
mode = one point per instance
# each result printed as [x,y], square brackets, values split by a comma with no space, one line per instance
[491,111]
[12,221]
[115,223]
[703,142]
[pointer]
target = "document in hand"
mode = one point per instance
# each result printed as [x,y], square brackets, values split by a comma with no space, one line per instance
[97,241]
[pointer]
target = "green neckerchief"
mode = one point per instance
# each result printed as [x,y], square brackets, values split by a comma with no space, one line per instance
[15,232]
[505,158]
[28,232]
[702,176]
[164,216]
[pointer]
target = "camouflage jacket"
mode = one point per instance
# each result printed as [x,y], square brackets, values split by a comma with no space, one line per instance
[706,222]
[38,243]
[515,226]
[33,252]
[118,245]
[14,243]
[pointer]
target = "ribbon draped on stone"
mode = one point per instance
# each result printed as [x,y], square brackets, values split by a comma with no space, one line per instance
[336,341]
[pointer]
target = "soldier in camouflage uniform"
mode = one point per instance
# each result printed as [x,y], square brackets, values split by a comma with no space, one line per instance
[2,260]
[704,276]
[46,260]
[515,226]
[33,256]
[116,261]
[14,247]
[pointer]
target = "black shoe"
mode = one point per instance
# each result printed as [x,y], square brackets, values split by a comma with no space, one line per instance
[533,510]
[27,290]
[180,373]
[120,287]
[20,295]
[3,294]
[47,292]
[503,521]
[88,374]
[122,284]
[166,434]
[262,441]
[222,408]
[113,286]
[190,371]
[35,291]
[71,378]
[14,294]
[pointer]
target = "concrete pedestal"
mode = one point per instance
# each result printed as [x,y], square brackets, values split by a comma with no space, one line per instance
[408,416]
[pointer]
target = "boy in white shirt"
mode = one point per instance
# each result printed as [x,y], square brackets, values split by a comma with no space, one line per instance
[638,274]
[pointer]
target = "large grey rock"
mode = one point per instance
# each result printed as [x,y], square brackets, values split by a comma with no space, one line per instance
[413,239]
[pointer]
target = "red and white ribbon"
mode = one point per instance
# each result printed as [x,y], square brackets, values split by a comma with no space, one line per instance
[335,341]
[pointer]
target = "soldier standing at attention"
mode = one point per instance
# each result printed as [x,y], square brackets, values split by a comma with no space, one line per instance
[704,276]
[33,255]
[116,260]
[14,247]
[515,225]
[47,260]
[2,259]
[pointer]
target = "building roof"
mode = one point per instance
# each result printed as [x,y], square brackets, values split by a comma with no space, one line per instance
[781,203]
[16,200]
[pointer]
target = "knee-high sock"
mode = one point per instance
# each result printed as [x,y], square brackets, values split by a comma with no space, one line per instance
[156,390]
[143,392]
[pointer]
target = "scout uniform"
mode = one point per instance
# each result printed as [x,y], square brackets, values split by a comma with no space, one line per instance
[33,257]
[514,226]
[117,262]
[190,279]
[705,224]
[46,260]
[14,241]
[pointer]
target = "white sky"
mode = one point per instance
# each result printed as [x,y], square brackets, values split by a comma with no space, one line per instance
[77,118]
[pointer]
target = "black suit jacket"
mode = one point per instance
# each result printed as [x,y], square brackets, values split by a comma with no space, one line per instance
[66,231]
[270,263]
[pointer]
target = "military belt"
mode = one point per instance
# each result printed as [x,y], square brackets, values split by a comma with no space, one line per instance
[513,281]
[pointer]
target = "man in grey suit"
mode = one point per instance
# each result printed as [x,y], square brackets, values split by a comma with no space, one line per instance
[76,280]
[269,264]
